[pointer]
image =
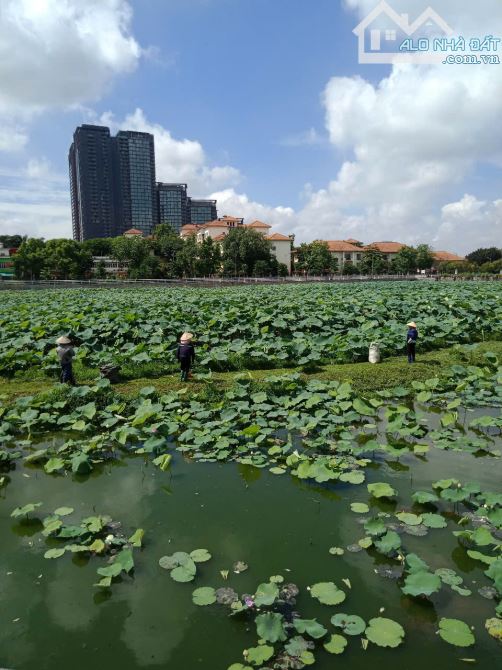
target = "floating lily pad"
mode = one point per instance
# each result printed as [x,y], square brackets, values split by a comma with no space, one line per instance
[382,490]
[494,627]
[359,508]
[416,531]
[424,497]
[54,553]
[421,583]
[200,555]
[336,551]
[270,627]
[409,519]
[311,627]
[266,594]
[336,644]
[205,595]
[351,624]
[456,632]
[434,521]
[24,511]
[384,632]
[388,543]
[226,596]
[327,593]
[64,511]
[258,655]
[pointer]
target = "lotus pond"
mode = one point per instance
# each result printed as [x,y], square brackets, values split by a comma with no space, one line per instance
[273,525]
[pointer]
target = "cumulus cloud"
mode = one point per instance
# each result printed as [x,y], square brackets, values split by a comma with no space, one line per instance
[239,204]
[178,160]
[469,218]
[58,53]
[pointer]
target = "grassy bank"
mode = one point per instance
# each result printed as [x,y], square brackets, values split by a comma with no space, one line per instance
[363,376]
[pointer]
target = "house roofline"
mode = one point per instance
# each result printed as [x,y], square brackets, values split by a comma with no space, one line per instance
[382,8]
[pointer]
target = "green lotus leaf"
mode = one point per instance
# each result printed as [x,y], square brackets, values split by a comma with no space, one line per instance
[97,547]
[200,555]
[362,408]
[449,577]
[296,645]
[25,510]
[311,627]
[277,471]
[351,624]
[64,511]
[421,583]
[53,465]
[375,526]
[494,572]
[483,537]
[416,564]
[54,553]
[163,462]
[51,525]
[365,542]
[478,556]
[388,543]
[205,595]
[456,632]
[266,594]
[359,508]
[276,579]
[384,632]
[270,627]
[494,627]
[460,590]
[327,593]
[382,490]
[112,570]
[424,497]
[352,477]
[258,655]
[336,644]
[184,573]
[239,666]
[136,538]
[434,521]
[445,483]
[409,519]
[336,551]
[125,560]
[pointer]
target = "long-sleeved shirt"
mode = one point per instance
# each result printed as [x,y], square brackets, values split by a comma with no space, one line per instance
[412,335]
[65,353]
[185,351]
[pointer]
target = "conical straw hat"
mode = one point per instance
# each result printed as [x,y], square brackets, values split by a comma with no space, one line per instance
[186,337]
[63,340]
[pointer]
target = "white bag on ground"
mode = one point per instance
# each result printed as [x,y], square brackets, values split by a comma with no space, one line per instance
[374,353]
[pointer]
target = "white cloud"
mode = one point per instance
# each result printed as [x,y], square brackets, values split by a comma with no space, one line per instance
[238,204]
[310,137]
[470,219]
[58,53]
[178,160]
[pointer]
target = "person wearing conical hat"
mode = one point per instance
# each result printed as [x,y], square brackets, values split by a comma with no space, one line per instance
[185,355]
[65,354]
[411,341]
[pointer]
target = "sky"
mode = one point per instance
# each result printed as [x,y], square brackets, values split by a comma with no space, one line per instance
[263,105]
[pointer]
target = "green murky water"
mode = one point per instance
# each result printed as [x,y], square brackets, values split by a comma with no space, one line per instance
[53,619]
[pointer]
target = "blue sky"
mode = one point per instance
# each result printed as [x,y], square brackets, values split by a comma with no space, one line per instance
[262,102]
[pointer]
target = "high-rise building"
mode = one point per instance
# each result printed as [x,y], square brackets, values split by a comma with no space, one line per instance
[201,211]
[91,183]
[112,182]
[172,203]
[135,192]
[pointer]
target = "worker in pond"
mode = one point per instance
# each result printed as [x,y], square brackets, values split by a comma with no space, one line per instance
[411,341]
[185,355]
[65,354]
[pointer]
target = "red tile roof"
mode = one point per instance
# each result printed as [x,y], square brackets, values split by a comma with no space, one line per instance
[220,237]
[278,237]
[341,245]
[447,256]
[258,224]
[386,247]
[352,241]
[133,231]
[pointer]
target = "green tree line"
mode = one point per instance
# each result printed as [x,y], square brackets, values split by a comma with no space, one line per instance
[243,252]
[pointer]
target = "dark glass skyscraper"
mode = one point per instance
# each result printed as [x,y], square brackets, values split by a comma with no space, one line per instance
[112,182]
[173,205]
[135,181]
[91,183]
[202,211]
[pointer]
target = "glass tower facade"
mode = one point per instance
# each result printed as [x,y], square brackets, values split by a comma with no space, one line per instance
[135,181]
[172,203]
[202,211]
[91,183]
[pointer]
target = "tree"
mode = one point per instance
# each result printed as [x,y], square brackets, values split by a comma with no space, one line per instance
[315,258]
[481,256]
[100,271]
[66,259]
[186,258]
[241,249]
[373,262]
[261,269]
[405,261]
[209,257]
[29,262]
[350,269]
[98,246]
[167,245]
[425,259]
[12,241]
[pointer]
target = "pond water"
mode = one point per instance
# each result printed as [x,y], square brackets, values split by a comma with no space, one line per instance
[52,618]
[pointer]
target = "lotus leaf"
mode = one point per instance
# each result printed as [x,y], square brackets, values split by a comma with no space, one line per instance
[136,538]
[388,543]
[24,511]
[64,511]
[424,497]
[352,477]
[359,508]
[53,465]
[310,627]
[200,555]
[381,490]
[336,644]
[494,572]
[409,519]
[226,596]
[54,553]
[384,632]
[258,655]
[336,551]
[351,624]
[327,593]
[434,521]
[421,583]
[266,594]
[270,627]
[205,595]
[456,632]
[494,627]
